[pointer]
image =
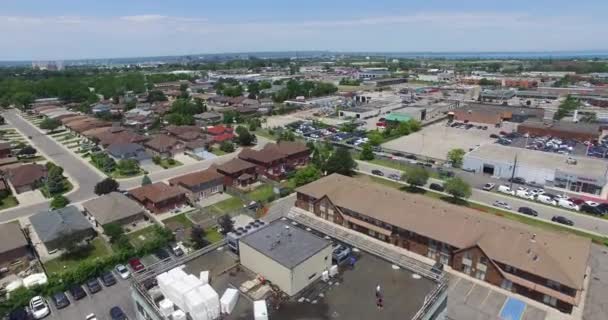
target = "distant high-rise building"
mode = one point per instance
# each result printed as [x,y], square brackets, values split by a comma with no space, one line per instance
[48,65]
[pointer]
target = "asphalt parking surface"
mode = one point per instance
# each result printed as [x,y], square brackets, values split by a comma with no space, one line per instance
[99,303]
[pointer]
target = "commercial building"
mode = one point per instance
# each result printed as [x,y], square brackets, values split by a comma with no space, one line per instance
[546,266]
[493,114]
[496,95]
[373,73]
[561,129]
[584,175]
[291,258]
[359,113]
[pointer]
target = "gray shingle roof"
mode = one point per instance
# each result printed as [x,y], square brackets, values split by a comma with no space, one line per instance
[50,225]
[290,250]
[112,207]
[11,237]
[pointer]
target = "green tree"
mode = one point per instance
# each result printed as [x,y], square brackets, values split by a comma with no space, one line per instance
[456,156]
[114,231]
[23,99]
[227,146]
[253,89]
[55,180]
[566,107]
[341,161]
[50,124]
[307,175]
[458,188]
[416,176]
[375,138]
[244,138]
[415,126]
[198,237]
[367,152]
[350,126]
[403,129]
[59,201]
[146,180]
[156,95]
[286,135]
[254,124]
[106,186]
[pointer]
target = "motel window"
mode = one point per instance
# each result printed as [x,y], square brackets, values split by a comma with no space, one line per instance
[552,301]
[553,284]
[481,275]
[466,269]
[371,233]
[507,284]
[483,260]
[444,258]
[431,253]
[467,255]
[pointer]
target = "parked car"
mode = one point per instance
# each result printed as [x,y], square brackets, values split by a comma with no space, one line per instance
[77,292]
[175,249]
[19,314]
[494,136]
[136,265]
[436,187]
[518,180]
[162,254]
[122,271]
[501,204]
[562,220]
[394,176]
[591,210]
[528,211]
[505,189]
[566,203]
[523,193]
[378,172]
[116,313]
[488,186]
[93,285]
[60,300]
[39,307]
[108,279]
[546,199]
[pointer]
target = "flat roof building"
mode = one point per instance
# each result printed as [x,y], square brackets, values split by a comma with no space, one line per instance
[561,129]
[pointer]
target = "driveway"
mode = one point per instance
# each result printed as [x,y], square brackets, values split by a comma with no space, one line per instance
[84,177]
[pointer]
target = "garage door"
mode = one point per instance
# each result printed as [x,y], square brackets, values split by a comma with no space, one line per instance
[488,169]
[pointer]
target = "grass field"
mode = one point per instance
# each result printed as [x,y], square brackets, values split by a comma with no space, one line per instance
[165,164]
[181,219]
[262,193]
[8,202]
[98,249]
[226,206]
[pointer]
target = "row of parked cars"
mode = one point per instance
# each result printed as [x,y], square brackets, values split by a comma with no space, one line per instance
[467,126]
[552,144]
[559,200]
[39,307]
[531,212]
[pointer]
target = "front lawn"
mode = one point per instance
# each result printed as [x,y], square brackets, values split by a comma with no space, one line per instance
[118,175]
[167,164]
[8,202]
[213,236]
[66,262]
[261,194]
[67,187]
[140,237]
[217,152]
[181,219]
[226,206]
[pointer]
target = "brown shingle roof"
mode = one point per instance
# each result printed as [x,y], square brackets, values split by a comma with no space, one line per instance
[235,165]
[263,156]
[72,119]
[112,207]
[26,174]
[11,237]
[561,257]
[156,192]
[287,148]
[161,142]
[196,178]
[122,136]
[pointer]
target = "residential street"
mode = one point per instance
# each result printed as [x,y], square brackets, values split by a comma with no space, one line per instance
[581,221]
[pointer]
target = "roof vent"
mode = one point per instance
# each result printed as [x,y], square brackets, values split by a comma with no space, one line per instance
[535,258]
[533,239]
[529,251]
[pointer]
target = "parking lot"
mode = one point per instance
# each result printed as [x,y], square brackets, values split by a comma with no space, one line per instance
[99,303]
[436,140]
[549,144]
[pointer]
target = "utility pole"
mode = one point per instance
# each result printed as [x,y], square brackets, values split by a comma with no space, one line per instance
[513,172]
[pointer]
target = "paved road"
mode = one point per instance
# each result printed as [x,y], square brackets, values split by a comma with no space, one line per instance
[84,176]
[545,212]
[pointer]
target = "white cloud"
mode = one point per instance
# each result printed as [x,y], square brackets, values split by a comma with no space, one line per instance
[144,18]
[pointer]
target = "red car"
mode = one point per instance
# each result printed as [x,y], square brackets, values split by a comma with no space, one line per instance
[577,201]
[136,265]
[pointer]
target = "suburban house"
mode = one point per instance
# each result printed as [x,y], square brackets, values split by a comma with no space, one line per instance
[276,160]
[201,184]
[72,118]
[26,177]
[5,150]
[164,146]
[543,265]
[238,173]
[207,118]
[55,228]
[114,207]
[220,133]
[14,249]
[119,135]
[159,197]
[127,150]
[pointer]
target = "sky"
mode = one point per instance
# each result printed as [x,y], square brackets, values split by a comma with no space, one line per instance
[79,29]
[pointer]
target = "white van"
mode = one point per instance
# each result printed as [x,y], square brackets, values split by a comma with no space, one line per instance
[505,189]
[546,199]
[524,194]
[565,203]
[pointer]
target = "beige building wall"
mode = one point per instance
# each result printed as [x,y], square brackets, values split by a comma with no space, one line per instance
[263,265]
[310,270]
